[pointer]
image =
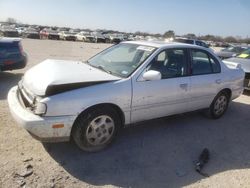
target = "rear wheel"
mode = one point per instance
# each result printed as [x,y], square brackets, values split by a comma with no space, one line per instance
[219,105]
[96,129]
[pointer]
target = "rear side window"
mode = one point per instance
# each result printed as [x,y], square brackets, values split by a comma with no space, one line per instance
[215,64]
[203,63]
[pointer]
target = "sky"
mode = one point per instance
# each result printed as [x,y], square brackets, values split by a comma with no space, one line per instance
[201,17]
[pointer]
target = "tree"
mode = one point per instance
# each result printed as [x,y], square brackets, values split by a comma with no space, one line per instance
[190,35]
[230,39]
[157,35]
[11,20]
[246,40]
[141,33]
[169,34]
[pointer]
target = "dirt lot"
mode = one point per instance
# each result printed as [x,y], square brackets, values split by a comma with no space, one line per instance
[158,153]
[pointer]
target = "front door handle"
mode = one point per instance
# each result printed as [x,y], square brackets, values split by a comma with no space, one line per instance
[184,86]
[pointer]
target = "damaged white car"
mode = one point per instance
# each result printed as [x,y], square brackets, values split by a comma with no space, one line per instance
[130,82]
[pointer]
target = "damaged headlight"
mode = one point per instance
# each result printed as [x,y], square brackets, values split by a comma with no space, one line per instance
[40,108]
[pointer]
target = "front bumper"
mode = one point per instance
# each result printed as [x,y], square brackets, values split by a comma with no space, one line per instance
[72,38]
[39,127]
[56,37]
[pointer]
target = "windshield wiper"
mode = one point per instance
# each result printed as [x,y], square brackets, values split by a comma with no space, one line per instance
[98,67]
[102,68]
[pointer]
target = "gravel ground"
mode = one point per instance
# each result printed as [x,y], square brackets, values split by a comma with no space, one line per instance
[157,153]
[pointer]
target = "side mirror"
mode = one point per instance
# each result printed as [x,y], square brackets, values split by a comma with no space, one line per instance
[151,75]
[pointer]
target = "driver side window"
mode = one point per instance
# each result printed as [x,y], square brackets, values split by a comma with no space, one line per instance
[170,63]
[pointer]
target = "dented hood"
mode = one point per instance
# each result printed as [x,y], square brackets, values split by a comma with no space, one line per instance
[55,76]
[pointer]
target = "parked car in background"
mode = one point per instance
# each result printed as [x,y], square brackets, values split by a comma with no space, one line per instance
[231,51]
[114,38]
[7,31]
[126,83]
[20,30]
[98,37]
[222,44]
[67,35]
[131,37]
[244,60]
[31,33]
[85,37]
[139,37]
[53,34]
[151,38]
[12,55]
[191,41]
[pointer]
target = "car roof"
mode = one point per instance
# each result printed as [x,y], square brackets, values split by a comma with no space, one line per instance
[162,44]
[9,40]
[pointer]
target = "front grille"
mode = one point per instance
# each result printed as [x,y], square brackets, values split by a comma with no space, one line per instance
[24,100]
[26,97]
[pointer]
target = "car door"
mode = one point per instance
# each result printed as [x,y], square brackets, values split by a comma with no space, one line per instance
[205,79]
[170,94]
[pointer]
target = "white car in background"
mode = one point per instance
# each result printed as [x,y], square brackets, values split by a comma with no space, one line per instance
[126,83]
[191,41]
[85,37]
[67,35]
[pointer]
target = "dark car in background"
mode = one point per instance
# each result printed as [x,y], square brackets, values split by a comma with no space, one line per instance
[52,34]
[31,33]
[98,37]
[244,60]
[231,51]
[12,55]
[6,31]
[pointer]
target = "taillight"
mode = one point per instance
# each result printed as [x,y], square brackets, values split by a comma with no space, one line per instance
[8,62]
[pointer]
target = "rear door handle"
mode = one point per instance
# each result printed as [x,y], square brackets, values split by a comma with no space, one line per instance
[184,86]
[218,81]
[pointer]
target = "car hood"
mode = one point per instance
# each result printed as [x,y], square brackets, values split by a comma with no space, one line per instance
[55,76]
[245,63]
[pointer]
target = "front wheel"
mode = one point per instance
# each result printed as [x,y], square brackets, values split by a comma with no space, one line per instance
[96,129]
[219,105]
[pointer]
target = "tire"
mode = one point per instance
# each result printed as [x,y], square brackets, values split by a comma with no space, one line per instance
[96,129]
[219,105]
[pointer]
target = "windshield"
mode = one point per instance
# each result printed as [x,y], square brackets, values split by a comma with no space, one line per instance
[245,54]
[69,33]
[123,59]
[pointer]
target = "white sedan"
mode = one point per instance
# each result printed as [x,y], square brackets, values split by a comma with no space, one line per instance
[126,83]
